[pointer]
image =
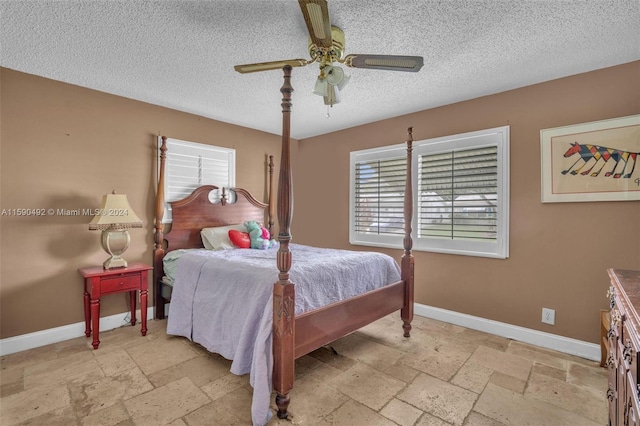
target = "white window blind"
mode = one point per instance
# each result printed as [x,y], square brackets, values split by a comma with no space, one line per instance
[377,205]
[461,194]
[189,165]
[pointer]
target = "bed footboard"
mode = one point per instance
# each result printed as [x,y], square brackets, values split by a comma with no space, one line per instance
[320,327]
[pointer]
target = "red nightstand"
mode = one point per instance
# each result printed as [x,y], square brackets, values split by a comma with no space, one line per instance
[99,282]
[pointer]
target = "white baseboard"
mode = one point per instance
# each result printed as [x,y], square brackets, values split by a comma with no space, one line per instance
[58,334]
[563,344]
[546,340]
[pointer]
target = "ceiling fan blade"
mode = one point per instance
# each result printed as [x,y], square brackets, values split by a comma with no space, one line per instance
[385,62]
[316,16]
[267,66]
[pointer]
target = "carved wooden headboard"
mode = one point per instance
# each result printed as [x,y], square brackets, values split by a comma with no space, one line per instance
[196,211]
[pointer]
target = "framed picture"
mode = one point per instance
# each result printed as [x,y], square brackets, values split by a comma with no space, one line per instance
[594,161]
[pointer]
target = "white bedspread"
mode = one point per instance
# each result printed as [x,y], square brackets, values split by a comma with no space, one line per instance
[223,300]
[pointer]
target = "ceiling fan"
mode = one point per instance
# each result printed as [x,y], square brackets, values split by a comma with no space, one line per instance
[326,46]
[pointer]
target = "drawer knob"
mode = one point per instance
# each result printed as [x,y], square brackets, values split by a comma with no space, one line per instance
[616,317]
[628,351]
[610,295]
[610,393]
[609,363]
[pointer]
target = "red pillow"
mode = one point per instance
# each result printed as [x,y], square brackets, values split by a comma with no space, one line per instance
[240,239]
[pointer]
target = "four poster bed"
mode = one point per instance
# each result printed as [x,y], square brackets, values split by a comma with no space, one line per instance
[264,332]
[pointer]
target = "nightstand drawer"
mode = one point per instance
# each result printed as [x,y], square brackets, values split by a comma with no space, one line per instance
[123,283]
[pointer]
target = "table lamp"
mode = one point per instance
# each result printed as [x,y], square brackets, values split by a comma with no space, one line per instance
[114,218]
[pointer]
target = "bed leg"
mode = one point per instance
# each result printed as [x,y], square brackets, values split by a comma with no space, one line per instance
[406,313]
[282,401]
[159,305]
[283,343]
[407,316]
[406,326]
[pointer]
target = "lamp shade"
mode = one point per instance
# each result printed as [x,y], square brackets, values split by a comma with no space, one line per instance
[115,213]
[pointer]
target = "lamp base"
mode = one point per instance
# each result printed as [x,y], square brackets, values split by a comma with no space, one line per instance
[115,242]
[114,262]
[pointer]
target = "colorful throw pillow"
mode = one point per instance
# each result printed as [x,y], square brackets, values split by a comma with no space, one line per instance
[240,239]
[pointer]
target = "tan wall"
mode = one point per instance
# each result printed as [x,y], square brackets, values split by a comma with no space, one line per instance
[559,252]
[63,147]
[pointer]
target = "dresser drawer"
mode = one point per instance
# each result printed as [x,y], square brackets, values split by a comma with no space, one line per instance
[630,411]
[612,390]
[630,351]
[624,344]
[121,283]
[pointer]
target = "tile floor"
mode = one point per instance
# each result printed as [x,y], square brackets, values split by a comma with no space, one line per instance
[442,375]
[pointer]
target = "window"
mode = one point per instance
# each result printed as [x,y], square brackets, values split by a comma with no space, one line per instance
[461,194]
[189,165]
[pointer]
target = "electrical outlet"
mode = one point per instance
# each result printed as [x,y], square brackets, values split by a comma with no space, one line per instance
[548,316]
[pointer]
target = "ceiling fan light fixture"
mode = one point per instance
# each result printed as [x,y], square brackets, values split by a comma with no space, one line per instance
[322,87]
[326,47]
[343,82]
[332,97]
[334,74]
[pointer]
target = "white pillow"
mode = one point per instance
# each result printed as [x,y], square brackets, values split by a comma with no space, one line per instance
[217,238]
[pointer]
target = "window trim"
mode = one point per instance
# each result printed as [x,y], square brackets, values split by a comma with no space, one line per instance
[498,136]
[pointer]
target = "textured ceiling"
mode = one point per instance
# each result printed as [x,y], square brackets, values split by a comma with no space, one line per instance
[180,54]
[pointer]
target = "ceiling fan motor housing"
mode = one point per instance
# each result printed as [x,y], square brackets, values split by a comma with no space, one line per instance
[328,55]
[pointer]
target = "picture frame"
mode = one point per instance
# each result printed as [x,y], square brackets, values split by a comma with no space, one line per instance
[595,161]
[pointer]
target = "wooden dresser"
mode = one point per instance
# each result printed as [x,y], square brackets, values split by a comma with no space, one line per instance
[624,344]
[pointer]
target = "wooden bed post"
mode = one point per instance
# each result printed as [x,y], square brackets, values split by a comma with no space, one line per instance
[406,313]
[158,251]
[272,205]
[283,290]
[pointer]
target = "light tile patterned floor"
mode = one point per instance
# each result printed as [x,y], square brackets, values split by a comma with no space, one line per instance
[443,375]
